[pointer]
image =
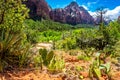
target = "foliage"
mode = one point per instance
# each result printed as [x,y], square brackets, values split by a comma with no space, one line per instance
[45,30]
[83,57]
[49,35]
[24,56]
[56,64]
[84,26]
[12,15]
[68,44]
[37,61]
[98,68]
[116,49]
[112,37]
[32,35]
[89,38]
[12,37]
[46,56]
[45,25]
[103,39]
[12,49]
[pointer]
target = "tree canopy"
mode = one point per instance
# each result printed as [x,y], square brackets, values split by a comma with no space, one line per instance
[12,14]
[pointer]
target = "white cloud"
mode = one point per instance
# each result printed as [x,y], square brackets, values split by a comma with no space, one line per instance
[93,14]
[85,7]
[91,3]
[111,14]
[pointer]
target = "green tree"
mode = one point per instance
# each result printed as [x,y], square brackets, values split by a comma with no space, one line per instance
[12,15]
[12,37]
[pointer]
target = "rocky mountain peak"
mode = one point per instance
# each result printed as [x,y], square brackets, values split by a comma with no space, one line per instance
[72,6]
[72,14]
[74,3]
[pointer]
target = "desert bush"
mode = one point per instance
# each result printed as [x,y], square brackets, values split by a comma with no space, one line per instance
[116,49]
[102,39]
[90,38]
[68,44]
[112,37]
[73,52]
[32,35]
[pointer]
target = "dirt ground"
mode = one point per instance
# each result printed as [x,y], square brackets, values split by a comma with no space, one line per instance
[70,63]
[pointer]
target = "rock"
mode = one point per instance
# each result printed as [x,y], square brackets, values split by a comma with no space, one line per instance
[47,46]
[38,9]
[72,14]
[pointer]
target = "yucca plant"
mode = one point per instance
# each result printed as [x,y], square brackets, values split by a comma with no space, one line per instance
[24,56]
[11,48]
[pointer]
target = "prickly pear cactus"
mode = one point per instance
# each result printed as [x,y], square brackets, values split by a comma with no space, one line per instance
[46,56]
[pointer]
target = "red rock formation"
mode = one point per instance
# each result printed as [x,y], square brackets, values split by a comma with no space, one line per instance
[58,15]
[71,14]
[38,8]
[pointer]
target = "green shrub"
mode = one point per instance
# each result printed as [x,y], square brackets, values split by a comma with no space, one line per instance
[32,35]
[12,49]
[37,61]
[67,44]
[90,38]
[99,39]
[83,57]
[116,49]
[56,65]
[49,35]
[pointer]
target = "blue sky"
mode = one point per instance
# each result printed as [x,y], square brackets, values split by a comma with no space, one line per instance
[91,5]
